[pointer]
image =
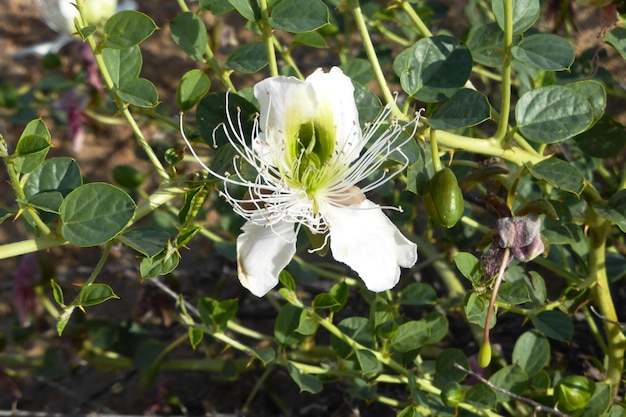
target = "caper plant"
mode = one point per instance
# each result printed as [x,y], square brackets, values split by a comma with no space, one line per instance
[485,163]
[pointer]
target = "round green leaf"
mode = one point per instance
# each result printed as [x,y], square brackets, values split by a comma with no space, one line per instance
[359,70]
[512,378]
[481,396]
[595,94]
[617,39]
[434,68]
[358,328]
[139,92]
[605,139]
[55,174]
[127,28]
[417,294]
[553,114]
[545,52]
[465,108]
[189,32]
[485,42]
[148,241]
[161,264]
[95,213]
[123,65]
[299,15]
[554,324]
[248,59]
[560,174]
[193,86]
[311,39]
[410,336]
[286,324]
[531,352]
[216,6]
[367,103]
[247,8]
[525,14]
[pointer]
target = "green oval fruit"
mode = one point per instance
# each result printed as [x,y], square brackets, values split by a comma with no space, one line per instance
[574,392]
[127,176]
[443,198]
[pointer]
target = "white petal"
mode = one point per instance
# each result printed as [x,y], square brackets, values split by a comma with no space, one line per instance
[335,91]
[362,237]
[262,252]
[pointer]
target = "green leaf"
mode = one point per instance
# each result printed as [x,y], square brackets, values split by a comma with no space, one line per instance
[605,139]
[310,39]
[247,8]
[139,92]
[553,114]
[216,6]
[55,174]
[469,267]
[299,15]
[32,147]
[149,241]
[545,52]
[438,325]
[248,59]
[359,70]
[410,336]
[369,364]
[211,113]
[307,325]
[417,294]
[464,109]
[615,210]
[95,213]
[306,382]
[64,319]
[560,174]
[127,28]
[195,337]
[193,86]
[286,324]
[161,264]
[512,378]
[481,396]
[595,94]
[446,371]
[434,68]
[531,352]
[476,311]
[485,42]
[367,103]
[127,176]
[57,293]
[94,294]
[48,201]
[599,402]
[514,293]
[4,214]
[617,39]
[190,34]
[123,65]
[554,324]
[525,14]
[357,328]
[214,313]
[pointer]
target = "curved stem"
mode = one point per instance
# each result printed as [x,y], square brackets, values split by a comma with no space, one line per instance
[415,19]
[434,150]
[373,59]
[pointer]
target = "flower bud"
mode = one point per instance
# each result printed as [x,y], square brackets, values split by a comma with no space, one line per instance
[574,392]
[443,198]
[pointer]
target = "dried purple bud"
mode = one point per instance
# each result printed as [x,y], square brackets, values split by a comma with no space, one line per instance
[522,235]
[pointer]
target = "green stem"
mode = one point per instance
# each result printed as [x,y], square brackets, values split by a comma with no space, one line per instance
[100,265]
[616,341]
[359,20]
[491,147]
[268,38]
[286,54]
[505,104]
[415,19]
[434,150]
